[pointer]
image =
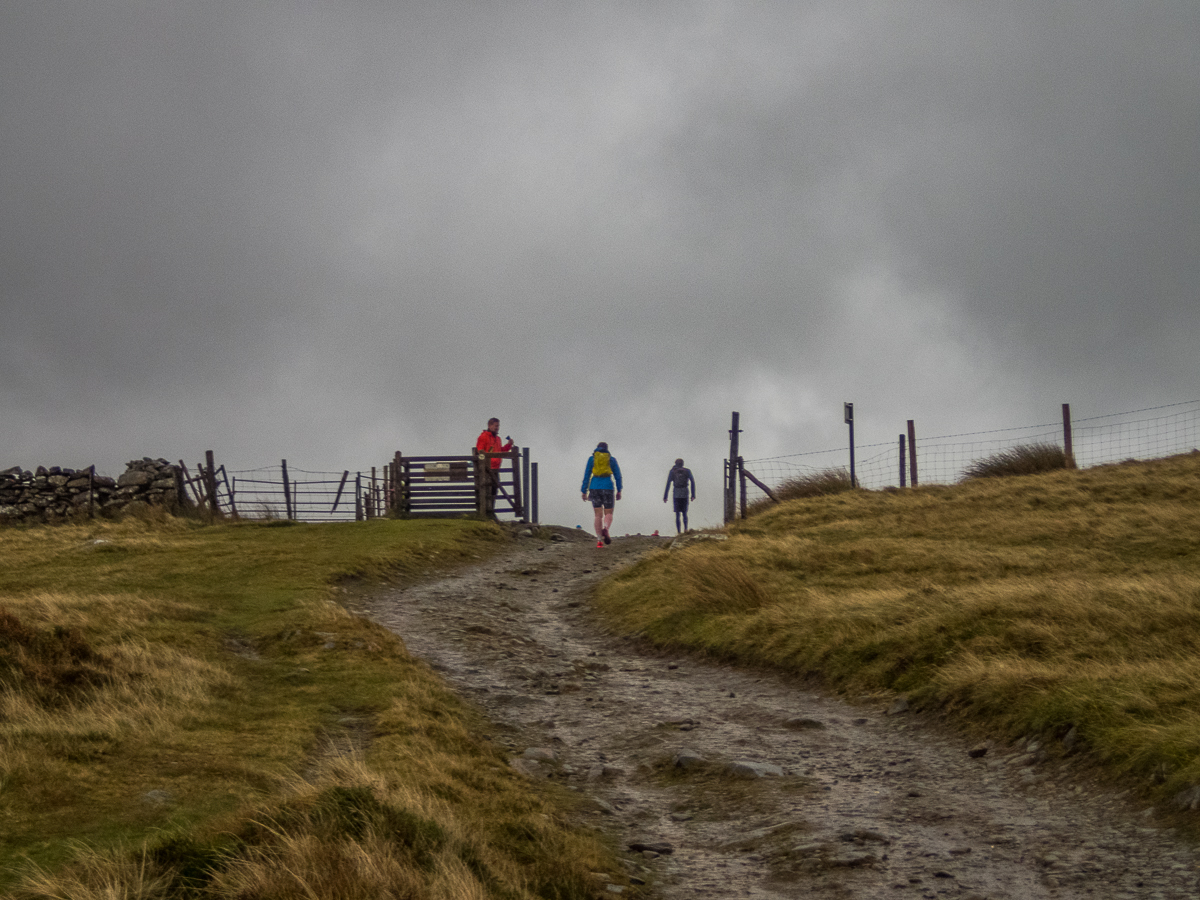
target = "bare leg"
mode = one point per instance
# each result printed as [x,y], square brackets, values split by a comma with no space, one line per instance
[599,511]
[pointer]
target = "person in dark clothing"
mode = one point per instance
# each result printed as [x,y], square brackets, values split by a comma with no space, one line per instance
[678,480]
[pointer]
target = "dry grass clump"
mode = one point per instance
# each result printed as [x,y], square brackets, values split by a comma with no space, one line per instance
[161,687]
[48,666]
[817,484]
[1025,459]
[1058,603]
[349,831]
[814,484]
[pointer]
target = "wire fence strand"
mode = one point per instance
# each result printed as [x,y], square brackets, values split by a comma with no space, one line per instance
[314,496]
[1150,433]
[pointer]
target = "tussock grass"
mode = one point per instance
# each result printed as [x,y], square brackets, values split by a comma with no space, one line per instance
[1026,459]
[170,694]
[1018,607]
[814,484]
[817,484]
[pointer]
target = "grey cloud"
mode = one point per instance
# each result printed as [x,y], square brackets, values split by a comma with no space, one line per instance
[326,226]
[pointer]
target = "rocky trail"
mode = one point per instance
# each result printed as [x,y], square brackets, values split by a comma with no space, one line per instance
[725,782]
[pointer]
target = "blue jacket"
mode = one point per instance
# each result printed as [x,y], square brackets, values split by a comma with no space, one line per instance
[601,482]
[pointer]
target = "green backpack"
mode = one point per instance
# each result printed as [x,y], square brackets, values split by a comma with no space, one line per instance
[600,464]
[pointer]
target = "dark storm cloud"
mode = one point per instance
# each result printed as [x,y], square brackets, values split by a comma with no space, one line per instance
[343,227]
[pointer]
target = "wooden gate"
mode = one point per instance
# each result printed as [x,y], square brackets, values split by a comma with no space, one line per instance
[452,486]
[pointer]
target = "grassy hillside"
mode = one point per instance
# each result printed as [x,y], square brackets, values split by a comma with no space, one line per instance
[185,711]
[1065,605]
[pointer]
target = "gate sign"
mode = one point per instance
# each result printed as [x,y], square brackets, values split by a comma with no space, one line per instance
[848,408]
[446,471]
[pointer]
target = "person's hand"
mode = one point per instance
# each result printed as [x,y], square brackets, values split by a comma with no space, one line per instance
[618,495]
[583,496]
[664,499]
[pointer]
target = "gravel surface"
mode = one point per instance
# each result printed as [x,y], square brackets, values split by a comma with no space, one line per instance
[726,782]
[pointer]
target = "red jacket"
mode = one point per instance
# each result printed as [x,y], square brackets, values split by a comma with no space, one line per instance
[490,443]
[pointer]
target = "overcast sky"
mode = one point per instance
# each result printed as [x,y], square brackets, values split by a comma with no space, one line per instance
[329,230]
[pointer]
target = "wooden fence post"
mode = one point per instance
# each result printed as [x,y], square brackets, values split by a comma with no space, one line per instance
[848,409]
[1068,447]
[210,481]
[358,498]
[731,470]
[517,504]
[725,489]
[187,476]
[287,492]
[912,452]
[341,487]
[230,492]
[533,493]
[482,486]
[525,483]
[742,484]
[92,491]
[202,492]
[903,464]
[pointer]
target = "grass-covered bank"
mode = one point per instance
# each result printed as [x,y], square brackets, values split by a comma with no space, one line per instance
[172,697]
[1064,604]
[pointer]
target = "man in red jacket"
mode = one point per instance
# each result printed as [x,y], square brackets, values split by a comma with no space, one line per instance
[489,442]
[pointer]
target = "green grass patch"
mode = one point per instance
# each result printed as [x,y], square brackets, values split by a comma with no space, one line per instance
[1019,606]
[171,699]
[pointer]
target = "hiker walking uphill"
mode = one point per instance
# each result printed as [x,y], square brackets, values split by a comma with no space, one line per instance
[678,480]
[602,485]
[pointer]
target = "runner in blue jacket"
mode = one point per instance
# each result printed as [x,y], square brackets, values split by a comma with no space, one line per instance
[598,486]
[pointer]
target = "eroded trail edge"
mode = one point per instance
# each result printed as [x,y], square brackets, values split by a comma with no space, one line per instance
[735,783]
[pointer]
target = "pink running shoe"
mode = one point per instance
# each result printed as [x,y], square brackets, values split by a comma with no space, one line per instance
[599,545]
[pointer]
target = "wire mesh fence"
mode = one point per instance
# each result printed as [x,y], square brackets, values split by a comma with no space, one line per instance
[1149,433]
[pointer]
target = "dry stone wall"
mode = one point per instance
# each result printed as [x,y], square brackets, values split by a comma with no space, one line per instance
[55,494]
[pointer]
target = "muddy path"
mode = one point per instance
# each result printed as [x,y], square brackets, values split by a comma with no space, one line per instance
[734,783]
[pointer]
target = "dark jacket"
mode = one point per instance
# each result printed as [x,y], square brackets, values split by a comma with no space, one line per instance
[681,477]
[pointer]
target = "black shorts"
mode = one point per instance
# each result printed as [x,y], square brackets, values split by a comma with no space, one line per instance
[602,498]
[681,504]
